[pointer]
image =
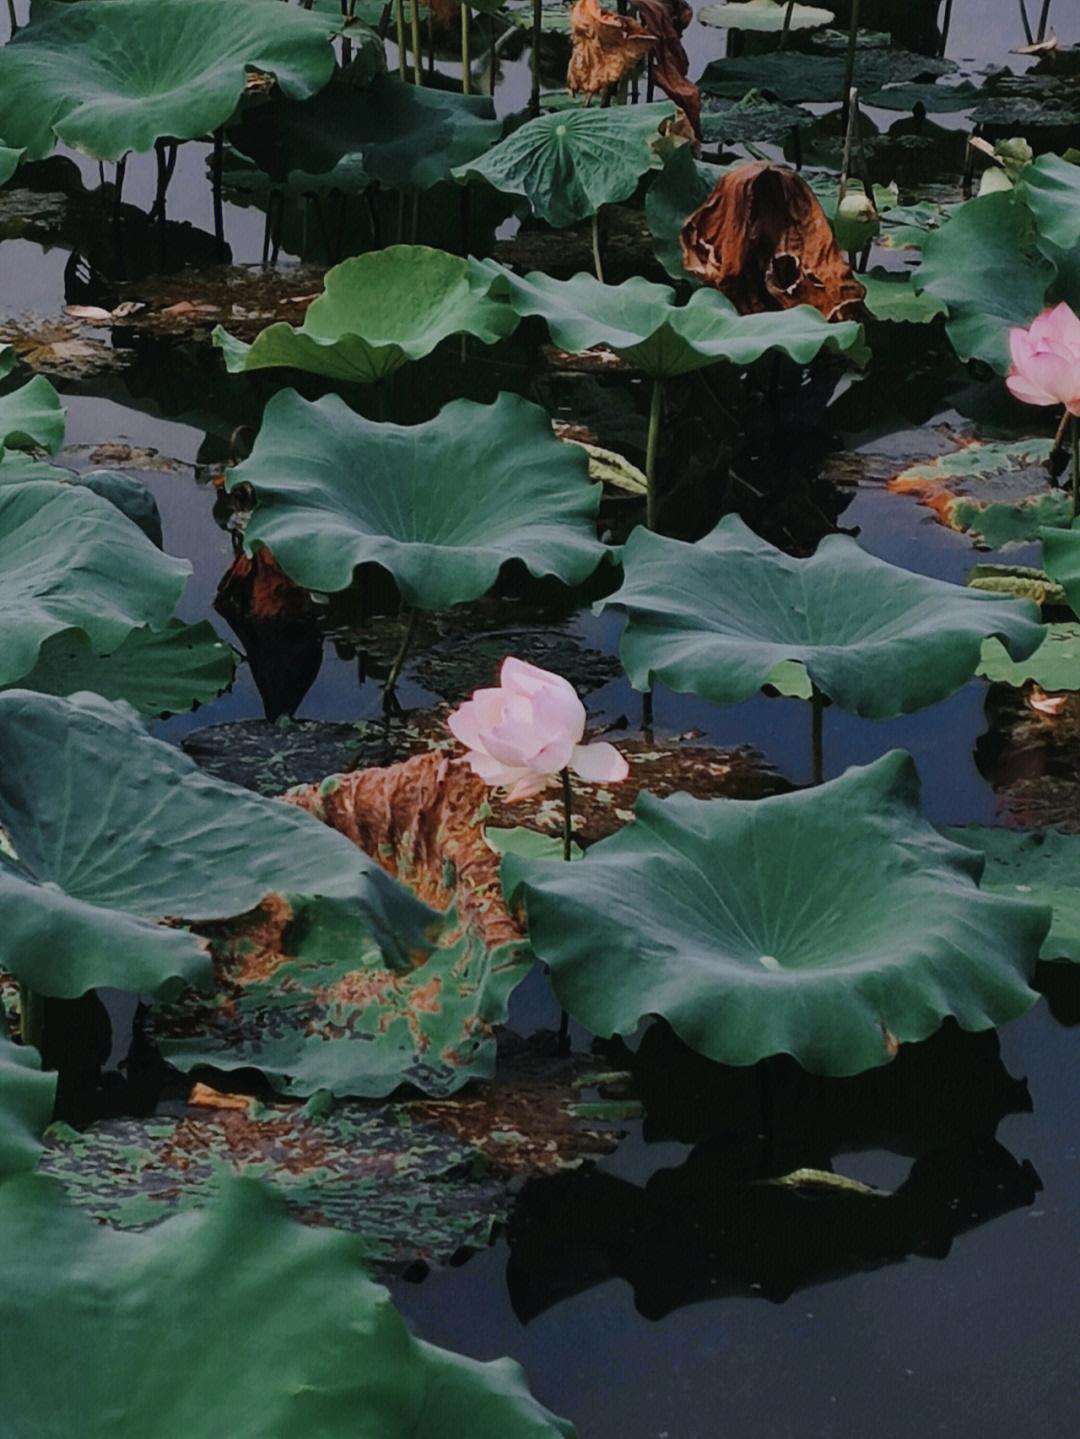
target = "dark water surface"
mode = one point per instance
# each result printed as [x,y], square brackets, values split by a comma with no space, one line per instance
[973,1334]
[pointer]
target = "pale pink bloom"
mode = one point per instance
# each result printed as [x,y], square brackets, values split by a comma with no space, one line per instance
[1046,360]
[527,730]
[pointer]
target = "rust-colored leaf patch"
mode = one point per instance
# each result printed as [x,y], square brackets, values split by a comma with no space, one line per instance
[762,239]
[669,65]
[605,48]
[422,820]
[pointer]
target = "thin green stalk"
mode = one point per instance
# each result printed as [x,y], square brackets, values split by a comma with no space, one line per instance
[1042,22]
[567,830]
[465,58]
[817,711]
[31,1016]
[849,69]
[945,22]
[399,21]
[538,27]
[656,411]
[1075,466]
[787,25]
[417,58]
[399,658]
[597,266]
[1026,24]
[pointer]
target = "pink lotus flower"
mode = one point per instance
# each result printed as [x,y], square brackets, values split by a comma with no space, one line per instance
[528,730]
[1046,360]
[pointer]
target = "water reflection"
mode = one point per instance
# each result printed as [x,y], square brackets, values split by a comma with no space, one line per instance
[755,1208]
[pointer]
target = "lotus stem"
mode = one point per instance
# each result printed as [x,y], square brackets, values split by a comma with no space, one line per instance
[787,25]
[647,715]
[399,23]
[852,102]
[1042,22]
[597,266]
[399,658]
[656,411]
[1027,26]
[852,43]
[12,17]
[945,19]
[417,58]
[567,845]
[1075,427]
[219,209]
[492,58]
[817,711]
[538,26]
[31,1016]
[465,60]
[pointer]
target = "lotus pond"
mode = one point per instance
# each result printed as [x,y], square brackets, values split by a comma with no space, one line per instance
[349,350]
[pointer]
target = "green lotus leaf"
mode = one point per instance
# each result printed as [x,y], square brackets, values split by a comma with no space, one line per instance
[569,163]
[823,924]
[641,321]
[1055,665]
[130,496]
[717,617]
[1050,187]
[986,266]
[1039,868]
[377,311]
[335,1012]
[1061,560]
[26,1106]
[31,415]
[401,136]
[801,78]
[314,1348]
[70,560]
[768,16]
[1021,582]
[893,297]
[158,672]
[9,161]
[937,99]
[440,506]
[755,117]
[114,830]
[682,185]
[108,76]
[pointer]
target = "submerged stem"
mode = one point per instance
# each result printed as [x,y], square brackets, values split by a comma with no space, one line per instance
[817,710]
[31,1016]
[399,658]
[465,57]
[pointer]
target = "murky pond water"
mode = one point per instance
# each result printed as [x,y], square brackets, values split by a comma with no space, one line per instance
[658,1299]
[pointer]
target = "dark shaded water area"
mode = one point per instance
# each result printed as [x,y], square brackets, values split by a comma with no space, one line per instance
[667,1292]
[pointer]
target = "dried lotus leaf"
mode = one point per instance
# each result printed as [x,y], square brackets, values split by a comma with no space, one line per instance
[606,47]
[762,239]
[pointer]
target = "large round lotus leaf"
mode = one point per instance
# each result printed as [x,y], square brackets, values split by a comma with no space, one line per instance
[114,830]
[1050,188]
[569,163]
[986,266]
[26,1106]
[376,312]
[71,560]
[1040,868]
[769,16]
[401,136]
[717,619]
[824,924]
[681,187]
[440,506]
[124,1335]
[1054,666]
[642,322]
[893,297]
[31,415]
[108,76]
[158,672]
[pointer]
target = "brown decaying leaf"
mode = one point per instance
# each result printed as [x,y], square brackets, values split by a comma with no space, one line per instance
[422,820]
[762,239]
[606,47]
[444,14]
[669,65]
